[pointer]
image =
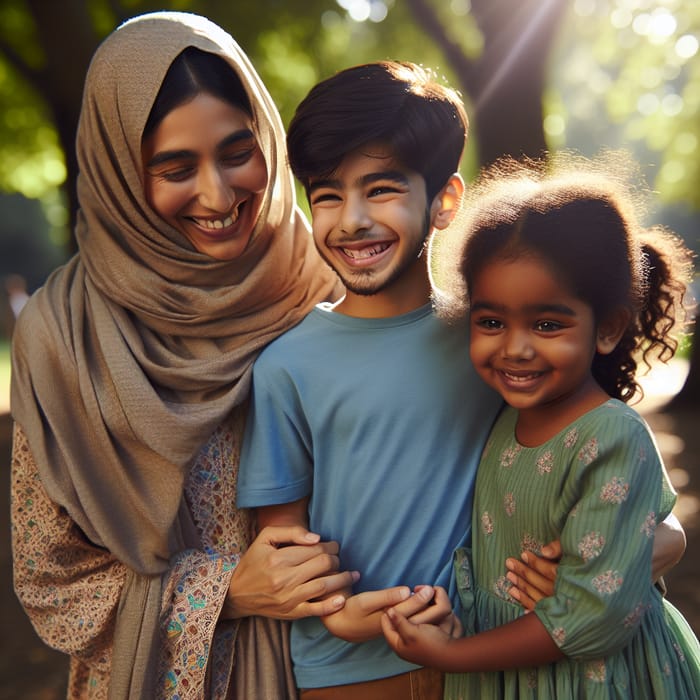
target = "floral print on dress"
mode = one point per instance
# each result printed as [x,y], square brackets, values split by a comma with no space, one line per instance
[571,438]
[509,455]
[608,582]
[509,504]
[591,545]
[635,617]
[486,523]
[559,636]
[501,586]
[529,543]
[615,491]
[595,671]
[545,463]
[589,452]
[649,525]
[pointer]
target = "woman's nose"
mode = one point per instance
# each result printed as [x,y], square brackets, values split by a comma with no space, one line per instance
[215,193]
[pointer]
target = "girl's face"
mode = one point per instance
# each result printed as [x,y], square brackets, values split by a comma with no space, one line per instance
[205,175]
[531,339]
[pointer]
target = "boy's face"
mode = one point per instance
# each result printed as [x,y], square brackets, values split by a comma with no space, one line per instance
[370,223]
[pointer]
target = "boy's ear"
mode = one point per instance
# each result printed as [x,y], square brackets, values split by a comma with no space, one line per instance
[446,202]
[611,329]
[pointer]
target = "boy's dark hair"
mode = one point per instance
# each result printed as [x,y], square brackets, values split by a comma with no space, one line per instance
[192,73]
[582,223]
[397,104]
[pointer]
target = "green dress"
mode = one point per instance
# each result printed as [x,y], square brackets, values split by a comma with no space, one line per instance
[600,486]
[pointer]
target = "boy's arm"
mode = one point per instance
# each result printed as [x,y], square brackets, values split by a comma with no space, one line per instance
[283,514]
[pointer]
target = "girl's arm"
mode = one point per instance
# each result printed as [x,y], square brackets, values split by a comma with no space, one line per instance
[522,643]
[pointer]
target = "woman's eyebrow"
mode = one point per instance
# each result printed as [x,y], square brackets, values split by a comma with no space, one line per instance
[181,154]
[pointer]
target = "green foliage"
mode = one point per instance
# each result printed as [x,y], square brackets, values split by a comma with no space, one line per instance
[635,65]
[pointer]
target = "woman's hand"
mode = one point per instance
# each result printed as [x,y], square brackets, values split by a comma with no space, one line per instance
[533,578]
[284,574]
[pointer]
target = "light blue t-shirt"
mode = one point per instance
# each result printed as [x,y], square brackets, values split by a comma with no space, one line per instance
[382,422]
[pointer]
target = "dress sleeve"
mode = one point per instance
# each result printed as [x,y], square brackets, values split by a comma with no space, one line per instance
[68,587]
[603,584]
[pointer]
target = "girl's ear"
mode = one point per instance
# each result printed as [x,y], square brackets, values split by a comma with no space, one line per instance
[611,329]
[446,202]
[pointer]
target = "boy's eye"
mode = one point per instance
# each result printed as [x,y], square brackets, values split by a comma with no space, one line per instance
[320,197]
[379,190]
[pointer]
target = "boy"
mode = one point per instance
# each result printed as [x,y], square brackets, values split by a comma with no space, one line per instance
[377,148]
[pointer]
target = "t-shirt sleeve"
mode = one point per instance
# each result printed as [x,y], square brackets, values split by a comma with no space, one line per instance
[276,463]
[603,584]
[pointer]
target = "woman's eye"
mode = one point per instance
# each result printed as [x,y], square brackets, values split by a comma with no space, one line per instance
[177,175]
[238,158]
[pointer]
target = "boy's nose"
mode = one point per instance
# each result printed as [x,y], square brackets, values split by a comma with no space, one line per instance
[354,216]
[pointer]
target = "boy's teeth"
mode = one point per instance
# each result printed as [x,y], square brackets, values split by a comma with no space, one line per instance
[368,252]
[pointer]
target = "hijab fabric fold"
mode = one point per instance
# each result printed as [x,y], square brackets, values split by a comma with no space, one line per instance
[134,351]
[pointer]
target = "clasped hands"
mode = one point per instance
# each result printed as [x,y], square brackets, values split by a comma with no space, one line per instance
[288,573]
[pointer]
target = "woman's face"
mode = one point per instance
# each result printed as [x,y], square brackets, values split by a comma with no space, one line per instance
[205,175]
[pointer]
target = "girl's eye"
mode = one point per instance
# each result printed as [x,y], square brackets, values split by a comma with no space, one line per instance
[489,324]
[547,326]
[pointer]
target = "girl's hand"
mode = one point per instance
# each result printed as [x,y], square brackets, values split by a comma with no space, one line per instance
[421,643]
[284,574]
[533,578]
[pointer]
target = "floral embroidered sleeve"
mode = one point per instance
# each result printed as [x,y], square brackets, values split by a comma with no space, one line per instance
[69,587]
[603,582]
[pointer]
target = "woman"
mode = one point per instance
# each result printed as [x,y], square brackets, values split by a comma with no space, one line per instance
[130,372]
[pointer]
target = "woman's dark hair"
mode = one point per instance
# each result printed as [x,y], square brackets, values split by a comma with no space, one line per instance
[397,104]
[192,73]
[582,223]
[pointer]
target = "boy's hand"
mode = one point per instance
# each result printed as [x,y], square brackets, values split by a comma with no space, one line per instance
[533,578]
[360,619]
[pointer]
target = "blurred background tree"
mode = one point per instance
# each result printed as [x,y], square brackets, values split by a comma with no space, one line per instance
[536,74]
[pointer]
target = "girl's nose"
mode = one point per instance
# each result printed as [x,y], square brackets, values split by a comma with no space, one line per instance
[214,191]
[517,345]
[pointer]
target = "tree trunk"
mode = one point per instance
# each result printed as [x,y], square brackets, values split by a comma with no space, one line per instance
[505,85]
[60,78]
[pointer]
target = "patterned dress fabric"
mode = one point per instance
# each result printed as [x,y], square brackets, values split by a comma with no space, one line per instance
[71,589]
[600,487]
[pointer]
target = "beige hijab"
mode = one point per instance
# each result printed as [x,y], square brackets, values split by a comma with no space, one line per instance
[132,353]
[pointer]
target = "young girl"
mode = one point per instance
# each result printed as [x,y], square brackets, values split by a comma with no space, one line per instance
[566,292]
